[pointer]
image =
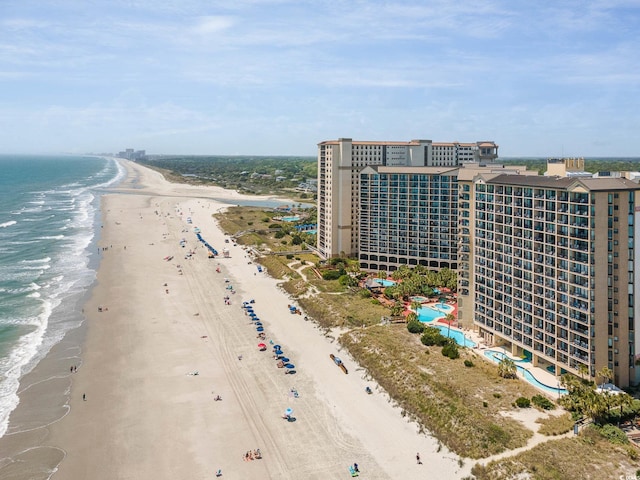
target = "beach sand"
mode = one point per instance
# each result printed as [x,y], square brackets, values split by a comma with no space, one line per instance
[147,416]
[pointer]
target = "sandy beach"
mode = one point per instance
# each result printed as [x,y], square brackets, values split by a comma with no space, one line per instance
[153,320]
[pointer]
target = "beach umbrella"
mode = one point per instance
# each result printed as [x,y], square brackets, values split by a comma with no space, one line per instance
[262,345]
[289,365]
[255,319]
[284,359]
[260,329]
[288,411]
[258,324]
[276,347]
[278,352]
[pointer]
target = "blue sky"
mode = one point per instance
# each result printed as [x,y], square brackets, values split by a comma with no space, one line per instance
[275,77]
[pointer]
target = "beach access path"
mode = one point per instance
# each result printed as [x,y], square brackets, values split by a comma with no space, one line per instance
[146,415]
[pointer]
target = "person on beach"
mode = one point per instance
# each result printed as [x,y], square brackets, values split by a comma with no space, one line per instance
[84,397]
[418,459]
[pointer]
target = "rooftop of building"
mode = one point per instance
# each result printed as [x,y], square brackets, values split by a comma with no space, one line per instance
[484,143]
[565,183]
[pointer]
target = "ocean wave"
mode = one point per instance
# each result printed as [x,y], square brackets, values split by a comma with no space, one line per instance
[8,224]
[51,237]
[12,365]
[37,260]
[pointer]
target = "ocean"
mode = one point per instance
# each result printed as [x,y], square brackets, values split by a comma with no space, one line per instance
[49,224]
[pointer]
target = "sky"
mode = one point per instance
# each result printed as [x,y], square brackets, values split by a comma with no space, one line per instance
[276,77]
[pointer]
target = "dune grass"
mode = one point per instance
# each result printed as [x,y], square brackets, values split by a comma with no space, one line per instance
[555,425]
[588,456]
[459,405]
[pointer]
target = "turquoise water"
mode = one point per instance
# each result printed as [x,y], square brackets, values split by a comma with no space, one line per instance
[459,337]
[385,283]
[418,298]
[48,220]
[290,219]
[522,365]
[431,313]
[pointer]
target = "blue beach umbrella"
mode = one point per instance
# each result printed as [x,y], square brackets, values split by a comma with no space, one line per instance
[278,352]
[258,324]
[284,359]
[276,347]
[259,329]
[288,411]
[289,365]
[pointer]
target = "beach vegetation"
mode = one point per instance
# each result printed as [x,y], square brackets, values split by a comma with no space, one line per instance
[523,402]
[450,350]
[507,368]
[414,326]
[543,402]
[432,336]
[554,425]
[588,455]
[445,397]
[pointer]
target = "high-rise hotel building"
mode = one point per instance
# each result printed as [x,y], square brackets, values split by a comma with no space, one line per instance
[554,275]
[339,165]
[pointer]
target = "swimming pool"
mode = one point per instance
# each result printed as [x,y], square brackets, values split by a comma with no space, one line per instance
[457,335]
[418,298]
[290,219]
[385,283]
[432,312]
[528,376]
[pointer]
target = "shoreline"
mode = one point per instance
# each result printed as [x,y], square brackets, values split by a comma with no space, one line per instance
[146,417]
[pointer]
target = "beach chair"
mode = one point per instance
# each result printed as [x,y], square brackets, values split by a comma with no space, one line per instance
[353,472]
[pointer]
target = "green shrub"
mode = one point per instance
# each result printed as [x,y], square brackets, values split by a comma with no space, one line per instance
[289,256]
[451,350]
[432,336]
[497,395]
[415,326]
[331,275]
[485,404]
[266,219]
[523,402]
[279,234]
[542,402]
[347,280]
[468,363]
[612,433]
[249,223]
[275,225]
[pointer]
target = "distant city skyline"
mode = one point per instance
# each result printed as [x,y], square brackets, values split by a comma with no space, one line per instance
[276,77]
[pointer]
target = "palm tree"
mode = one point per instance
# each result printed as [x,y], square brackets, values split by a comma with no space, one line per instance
[507,368]
[415,305]
[412,317]
[382,274]
[583,370]
[606,374]
[397,309]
